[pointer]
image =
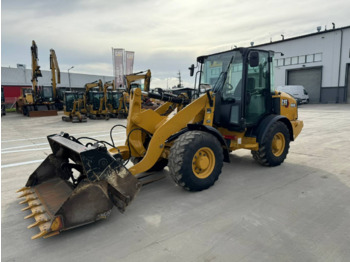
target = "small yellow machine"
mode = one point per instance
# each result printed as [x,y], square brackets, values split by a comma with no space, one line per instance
[95,102]
[116,101]
[73,105]
[239,110]
[147,103]
[130,79]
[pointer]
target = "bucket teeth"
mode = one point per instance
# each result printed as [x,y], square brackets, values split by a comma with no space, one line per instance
[28,199]
[39,222]
[22,189]
[31,206]
[39,235]
[52,234]
[34,214]
[26,193]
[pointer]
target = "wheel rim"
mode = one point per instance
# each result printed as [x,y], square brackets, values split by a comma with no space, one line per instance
[278,144]
[203,162]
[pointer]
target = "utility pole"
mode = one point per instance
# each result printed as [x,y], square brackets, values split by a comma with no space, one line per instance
[70,88]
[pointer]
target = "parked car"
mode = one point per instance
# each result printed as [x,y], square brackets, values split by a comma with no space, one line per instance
[298,92]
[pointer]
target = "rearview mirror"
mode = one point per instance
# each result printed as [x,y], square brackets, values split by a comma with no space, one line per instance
[191,68]
[254,59]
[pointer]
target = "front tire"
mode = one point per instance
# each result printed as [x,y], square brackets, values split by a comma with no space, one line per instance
[195,160]
[274,148]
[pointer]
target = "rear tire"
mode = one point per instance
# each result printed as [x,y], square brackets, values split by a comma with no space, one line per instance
[274,148]
[195,160]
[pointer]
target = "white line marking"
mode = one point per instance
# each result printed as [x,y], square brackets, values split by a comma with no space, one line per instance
[25,150]
[31,162]
[15,147]
[22,163]
[40,144]
[44,137]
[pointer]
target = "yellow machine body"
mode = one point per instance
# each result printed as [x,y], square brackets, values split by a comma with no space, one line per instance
[161,124]
[192,137]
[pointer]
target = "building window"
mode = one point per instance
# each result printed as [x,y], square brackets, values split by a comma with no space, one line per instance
[295,60]
[215,71]
[280,62]
[309,58]
[287,61]
[275,62]
[318,57]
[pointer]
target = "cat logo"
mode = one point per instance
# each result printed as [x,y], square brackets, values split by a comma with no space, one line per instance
[285,102]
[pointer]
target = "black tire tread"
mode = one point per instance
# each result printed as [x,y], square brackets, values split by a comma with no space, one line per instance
[262,156]
[176,158]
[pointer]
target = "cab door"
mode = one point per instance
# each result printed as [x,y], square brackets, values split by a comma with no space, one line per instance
[257,87]
[228,100]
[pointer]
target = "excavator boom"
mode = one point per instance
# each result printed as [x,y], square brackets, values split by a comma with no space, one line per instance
[55,70]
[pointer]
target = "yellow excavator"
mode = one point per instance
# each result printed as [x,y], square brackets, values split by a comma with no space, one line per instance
[88,97]
[239,110]
[40,101]
[73,105]
[142,75]
[130,84]
[147,103]
[115,99]
[96,101]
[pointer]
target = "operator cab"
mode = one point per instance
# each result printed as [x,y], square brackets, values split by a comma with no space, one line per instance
[242,82]
[69,98]
[113,98]
[96,97]
[46,93]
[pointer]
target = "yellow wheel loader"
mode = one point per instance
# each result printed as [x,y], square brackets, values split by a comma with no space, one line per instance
[79,183]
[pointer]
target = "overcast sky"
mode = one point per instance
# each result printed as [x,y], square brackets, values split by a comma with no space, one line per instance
[166,36]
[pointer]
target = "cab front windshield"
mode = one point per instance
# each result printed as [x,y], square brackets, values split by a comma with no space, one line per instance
[47,93]
[69,101]
[223,72]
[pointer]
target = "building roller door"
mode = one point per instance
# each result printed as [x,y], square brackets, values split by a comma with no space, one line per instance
[309,78]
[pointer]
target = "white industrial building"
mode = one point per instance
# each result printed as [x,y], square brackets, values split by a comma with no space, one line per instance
[14,79]
[319,61]
[22,77]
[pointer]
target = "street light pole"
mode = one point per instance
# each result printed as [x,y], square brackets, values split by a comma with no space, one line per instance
[69,77]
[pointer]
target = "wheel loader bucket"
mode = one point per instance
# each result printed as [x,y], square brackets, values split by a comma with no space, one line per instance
[60,200]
